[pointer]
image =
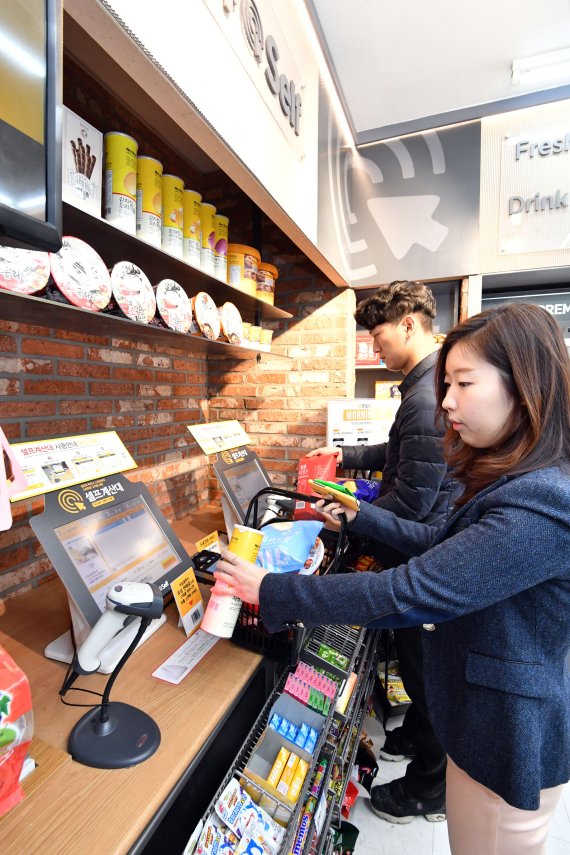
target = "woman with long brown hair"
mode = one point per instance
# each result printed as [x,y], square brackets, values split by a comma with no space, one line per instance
[491,586]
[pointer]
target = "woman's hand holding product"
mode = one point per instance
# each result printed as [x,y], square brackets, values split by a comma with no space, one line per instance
[239,578]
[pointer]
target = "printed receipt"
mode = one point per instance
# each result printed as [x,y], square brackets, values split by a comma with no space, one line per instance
[177,666]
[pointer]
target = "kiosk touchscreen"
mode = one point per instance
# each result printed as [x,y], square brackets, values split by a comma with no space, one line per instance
[99,533]
[241,476]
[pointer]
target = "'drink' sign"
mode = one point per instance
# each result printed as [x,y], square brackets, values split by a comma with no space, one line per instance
[535,189]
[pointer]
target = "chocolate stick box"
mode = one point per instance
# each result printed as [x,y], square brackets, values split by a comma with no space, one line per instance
[82,163]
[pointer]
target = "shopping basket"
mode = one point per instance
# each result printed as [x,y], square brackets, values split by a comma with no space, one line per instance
[249,631]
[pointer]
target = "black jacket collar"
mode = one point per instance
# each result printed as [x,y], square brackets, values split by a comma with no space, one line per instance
[418,371]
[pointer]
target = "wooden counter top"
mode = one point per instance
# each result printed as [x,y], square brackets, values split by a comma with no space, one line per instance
[80,810]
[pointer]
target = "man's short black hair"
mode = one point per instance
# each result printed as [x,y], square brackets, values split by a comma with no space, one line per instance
[392,302]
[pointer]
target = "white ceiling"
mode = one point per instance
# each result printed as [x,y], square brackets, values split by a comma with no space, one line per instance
[405,66]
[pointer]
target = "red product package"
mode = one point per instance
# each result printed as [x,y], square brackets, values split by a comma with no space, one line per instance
[322,466]
[16,727]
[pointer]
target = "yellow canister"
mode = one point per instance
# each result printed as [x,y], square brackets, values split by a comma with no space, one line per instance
[221,248]
[121,181]
[192,203]
[266,278]
[208,249]
[149,200]
[172,214]
[243,262]
[245,542]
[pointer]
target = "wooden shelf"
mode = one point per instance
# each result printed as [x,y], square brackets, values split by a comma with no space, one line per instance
[114,245]
[22,308]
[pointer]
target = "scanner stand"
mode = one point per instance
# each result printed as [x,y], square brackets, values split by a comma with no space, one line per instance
[62,648]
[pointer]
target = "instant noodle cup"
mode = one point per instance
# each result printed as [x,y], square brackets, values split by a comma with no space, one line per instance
[231,323]
[208,248]
[173,305]
[149,200]
[172,214]
[266,278]
[206,319]
[133,295]
[121,181]
[25,271]
[243,263]
[192,232]
[221,248]
[80,275]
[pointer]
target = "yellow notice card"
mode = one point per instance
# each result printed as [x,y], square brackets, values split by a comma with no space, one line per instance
[219,436]
[189,600]
[211,542]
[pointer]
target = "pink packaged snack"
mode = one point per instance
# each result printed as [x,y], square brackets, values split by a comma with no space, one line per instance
[16,727]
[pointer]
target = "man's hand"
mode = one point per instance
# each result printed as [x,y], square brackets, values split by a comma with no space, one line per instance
[335,450]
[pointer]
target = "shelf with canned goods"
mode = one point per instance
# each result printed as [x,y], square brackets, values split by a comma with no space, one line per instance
[114,245]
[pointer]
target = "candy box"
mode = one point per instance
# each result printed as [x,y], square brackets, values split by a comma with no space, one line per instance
[321,466]
[82,163]
[16,728]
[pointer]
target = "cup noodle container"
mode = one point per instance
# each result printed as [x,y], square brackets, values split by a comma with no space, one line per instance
[206,321]
[243,264]
[221,248]
[81,275]
[231,323]
[222,611]
[207,252]
[172,214]
[149,200]
[121,181]
[173,305]
[132,292]
[25,271]
[266,278]
[192,244]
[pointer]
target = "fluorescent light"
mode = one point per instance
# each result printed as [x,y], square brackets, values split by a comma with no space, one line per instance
[552,67]
[16,53]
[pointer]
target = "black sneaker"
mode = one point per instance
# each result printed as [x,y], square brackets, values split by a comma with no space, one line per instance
[396,804]
[397,746]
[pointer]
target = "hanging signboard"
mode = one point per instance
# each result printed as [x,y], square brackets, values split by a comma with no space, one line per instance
[360,421]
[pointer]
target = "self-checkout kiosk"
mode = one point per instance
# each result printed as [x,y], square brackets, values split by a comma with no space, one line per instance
[100,533]
[242,475]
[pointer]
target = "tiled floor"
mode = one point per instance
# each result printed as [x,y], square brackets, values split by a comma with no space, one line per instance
[420,837]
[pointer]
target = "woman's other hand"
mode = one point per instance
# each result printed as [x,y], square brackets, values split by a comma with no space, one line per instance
[238,577]
[331,510]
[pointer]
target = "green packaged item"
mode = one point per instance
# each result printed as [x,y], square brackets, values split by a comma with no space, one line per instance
[333,656]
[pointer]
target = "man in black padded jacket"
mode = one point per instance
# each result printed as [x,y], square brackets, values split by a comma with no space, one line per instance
[415,486]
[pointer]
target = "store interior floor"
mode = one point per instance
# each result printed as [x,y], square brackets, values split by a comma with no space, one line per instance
[420,837]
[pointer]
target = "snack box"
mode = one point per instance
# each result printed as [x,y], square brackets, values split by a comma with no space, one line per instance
[82,163]
[265,753]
